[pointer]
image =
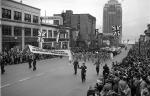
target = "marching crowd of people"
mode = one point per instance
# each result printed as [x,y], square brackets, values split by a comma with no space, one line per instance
[16,56]
[98,56]
[131,77]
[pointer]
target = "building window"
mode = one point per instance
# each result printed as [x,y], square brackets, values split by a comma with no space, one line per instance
[65,45]
[6,30]
[35,32]
[47,45]
[55,34]
[35,19]
[17,15]
[27,31]
[56,22]
[17,31]
[6,13]
[27,17]
[49,33]
[62,35]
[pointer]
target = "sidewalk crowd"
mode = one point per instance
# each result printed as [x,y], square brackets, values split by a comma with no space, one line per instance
[131,77]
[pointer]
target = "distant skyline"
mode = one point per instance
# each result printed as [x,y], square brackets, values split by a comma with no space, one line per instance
[136,13]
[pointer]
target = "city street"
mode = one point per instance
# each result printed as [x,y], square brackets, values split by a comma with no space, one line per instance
[53,77]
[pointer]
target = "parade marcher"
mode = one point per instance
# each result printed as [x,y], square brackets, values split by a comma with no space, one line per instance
[83,72]
[30,60]
[76,66]
[97,63]
[34,62]
[2,62]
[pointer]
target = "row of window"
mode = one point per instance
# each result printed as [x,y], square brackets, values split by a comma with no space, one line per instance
[7,30]
[54,34]
[6,13]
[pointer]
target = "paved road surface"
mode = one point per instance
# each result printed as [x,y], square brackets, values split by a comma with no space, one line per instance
[53,77]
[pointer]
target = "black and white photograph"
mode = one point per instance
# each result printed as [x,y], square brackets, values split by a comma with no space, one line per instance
[75,47]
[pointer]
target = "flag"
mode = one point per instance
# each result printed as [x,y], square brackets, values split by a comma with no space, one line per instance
[76,35]
[41,35]
[116,30]
[57,38]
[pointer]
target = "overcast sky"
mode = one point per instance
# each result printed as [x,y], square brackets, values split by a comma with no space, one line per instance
[136,13]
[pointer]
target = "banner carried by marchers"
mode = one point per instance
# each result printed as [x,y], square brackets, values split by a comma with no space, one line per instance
[38,50]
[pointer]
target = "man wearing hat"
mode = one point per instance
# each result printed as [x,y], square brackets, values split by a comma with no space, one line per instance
[76,65]
[97,63]
[83,72]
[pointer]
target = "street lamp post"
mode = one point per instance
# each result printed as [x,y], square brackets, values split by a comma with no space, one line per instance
[139,46]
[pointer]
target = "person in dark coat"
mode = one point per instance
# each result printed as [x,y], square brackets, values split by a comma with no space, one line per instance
[83,72]
[34,62]
[2,63]
[97,67]
[105,70]
[76,66]
[30,60]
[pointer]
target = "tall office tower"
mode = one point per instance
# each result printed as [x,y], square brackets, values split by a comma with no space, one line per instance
[112,16]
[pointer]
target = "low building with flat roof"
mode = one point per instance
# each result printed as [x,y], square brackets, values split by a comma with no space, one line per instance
[19,24]
[50,39]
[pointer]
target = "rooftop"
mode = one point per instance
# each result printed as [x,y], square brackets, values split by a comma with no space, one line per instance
[23,4]
[113,2]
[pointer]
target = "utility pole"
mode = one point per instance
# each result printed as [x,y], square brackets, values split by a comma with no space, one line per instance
[139,46]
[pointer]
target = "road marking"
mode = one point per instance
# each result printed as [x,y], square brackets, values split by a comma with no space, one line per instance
[24,79]
[40,74]
[5,85]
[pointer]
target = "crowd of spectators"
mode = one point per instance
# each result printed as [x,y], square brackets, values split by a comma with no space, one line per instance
[131,77]
[16,56]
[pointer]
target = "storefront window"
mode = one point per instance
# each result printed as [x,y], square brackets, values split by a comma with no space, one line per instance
[35,32]
[27,31]
[6,30]
[17,31]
